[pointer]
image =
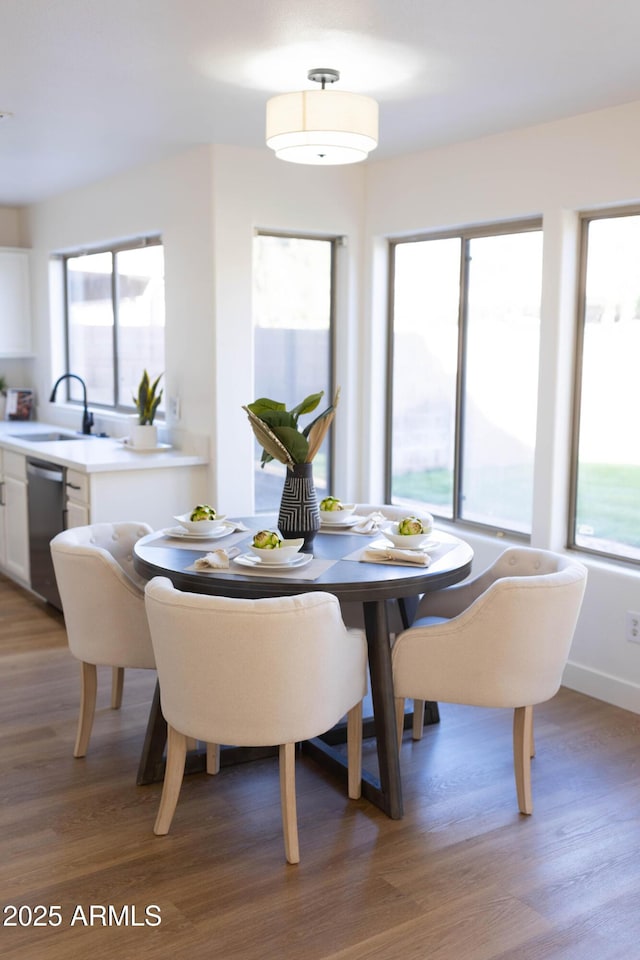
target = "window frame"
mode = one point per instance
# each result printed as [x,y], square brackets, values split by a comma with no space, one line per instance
[585,218]
[465,235]
[153,240]
[335,241]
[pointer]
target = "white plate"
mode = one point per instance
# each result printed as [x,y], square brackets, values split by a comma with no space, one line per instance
[429,544]
[159,448]
[179,533]
[250,560]
[349,521]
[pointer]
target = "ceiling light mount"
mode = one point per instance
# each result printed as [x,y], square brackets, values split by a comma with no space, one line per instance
[323,75]
[323,127]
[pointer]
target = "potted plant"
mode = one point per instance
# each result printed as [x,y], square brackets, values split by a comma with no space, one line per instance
[278,432]
[144,434]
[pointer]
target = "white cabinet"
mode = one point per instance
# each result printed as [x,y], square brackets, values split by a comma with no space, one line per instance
[14,519]
[15,303]
[77,499]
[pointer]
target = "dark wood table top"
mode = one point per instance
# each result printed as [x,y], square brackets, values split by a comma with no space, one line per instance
[156,555]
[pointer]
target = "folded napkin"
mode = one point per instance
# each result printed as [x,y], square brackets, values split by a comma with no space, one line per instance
[216,560]
[238,526]
[388,555]
[370,524]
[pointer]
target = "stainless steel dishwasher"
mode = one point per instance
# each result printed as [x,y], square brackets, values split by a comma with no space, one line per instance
[46,519]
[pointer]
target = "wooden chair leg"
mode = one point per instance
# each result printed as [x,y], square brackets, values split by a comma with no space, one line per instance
[522,721]
[117,685]
[287,760]
[173,774]
[418,719]
[88,690]
[354,750]
[213,758]
[532,744]
[400,719]
[192,743]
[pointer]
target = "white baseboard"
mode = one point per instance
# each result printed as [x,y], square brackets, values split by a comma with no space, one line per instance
[620,693]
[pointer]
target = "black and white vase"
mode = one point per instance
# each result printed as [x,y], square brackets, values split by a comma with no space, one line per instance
[299,515]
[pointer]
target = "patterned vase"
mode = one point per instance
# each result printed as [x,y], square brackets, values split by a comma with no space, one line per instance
[299,515]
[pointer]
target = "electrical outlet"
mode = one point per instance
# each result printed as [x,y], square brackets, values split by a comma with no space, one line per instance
[632,631]
[174,407]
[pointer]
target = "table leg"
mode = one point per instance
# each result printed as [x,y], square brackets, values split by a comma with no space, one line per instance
[379,651]
[151,767]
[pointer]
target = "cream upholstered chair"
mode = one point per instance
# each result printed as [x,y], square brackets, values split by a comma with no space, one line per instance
[254,673]
[499,640]
[103,607]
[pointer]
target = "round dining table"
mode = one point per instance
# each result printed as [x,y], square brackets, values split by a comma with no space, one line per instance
[336,567]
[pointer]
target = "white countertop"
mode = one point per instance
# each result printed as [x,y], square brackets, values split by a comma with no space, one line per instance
[88,454]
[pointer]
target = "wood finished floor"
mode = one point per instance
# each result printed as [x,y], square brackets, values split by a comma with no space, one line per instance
[462,877]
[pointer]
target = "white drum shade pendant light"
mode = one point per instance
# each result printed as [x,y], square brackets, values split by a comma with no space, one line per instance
[322,126]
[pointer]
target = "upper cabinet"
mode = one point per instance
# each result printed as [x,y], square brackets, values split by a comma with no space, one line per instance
[15,303]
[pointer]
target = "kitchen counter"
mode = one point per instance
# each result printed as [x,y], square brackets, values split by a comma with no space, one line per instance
[88,454]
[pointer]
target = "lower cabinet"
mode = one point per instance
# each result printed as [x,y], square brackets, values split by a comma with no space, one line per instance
[14,521]
[77,499]
[153,496]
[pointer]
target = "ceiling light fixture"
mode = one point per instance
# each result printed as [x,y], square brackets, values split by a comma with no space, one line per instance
[322,126]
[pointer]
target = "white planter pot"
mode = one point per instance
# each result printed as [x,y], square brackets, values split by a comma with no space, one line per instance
[143,437]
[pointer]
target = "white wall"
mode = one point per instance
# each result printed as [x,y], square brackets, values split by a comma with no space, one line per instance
[553,170]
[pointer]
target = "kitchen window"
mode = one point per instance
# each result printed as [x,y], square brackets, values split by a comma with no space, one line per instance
[463,364]
[293,282]
[114,320]
[605,516]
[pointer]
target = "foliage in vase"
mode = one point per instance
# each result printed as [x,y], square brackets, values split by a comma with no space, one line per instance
[148,399]
[277,431]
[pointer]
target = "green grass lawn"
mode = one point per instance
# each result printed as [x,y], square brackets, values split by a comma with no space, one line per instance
[608,497]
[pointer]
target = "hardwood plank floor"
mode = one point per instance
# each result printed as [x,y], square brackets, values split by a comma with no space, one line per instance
[462,877]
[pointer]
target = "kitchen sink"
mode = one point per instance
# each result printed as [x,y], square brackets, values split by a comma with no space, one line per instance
[48,437]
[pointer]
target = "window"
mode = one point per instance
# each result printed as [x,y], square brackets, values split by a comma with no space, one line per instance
[464,342]
[292,329]
[606,483]
[114,321]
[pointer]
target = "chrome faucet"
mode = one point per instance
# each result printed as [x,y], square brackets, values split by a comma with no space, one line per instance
[87,418]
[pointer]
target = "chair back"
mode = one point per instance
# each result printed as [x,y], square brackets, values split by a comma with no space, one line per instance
[509,647]
[253,672]
[102,595]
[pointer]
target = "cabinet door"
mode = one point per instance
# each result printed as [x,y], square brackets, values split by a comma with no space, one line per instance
[15,305]
[16,528]
[77,514]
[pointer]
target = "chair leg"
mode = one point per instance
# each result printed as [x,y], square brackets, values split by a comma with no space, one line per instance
[117,684]
[192,743]
[400,719]
[287,760]
[522,722]
[532,744]
[173,774]
[88,690]
[418,719]
[354,750]
[213,758]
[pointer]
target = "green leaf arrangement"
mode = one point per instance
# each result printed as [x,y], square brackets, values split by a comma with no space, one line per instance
[276,428]
[148,399]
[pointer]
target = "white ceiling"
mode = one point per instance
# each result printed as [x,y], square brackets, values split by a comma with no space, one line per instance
[97,86]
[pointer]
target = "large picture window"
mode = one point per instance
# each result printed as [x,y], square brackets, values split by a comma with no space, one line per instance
[293,343]
[114,321]
[606,487]
[464,344]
